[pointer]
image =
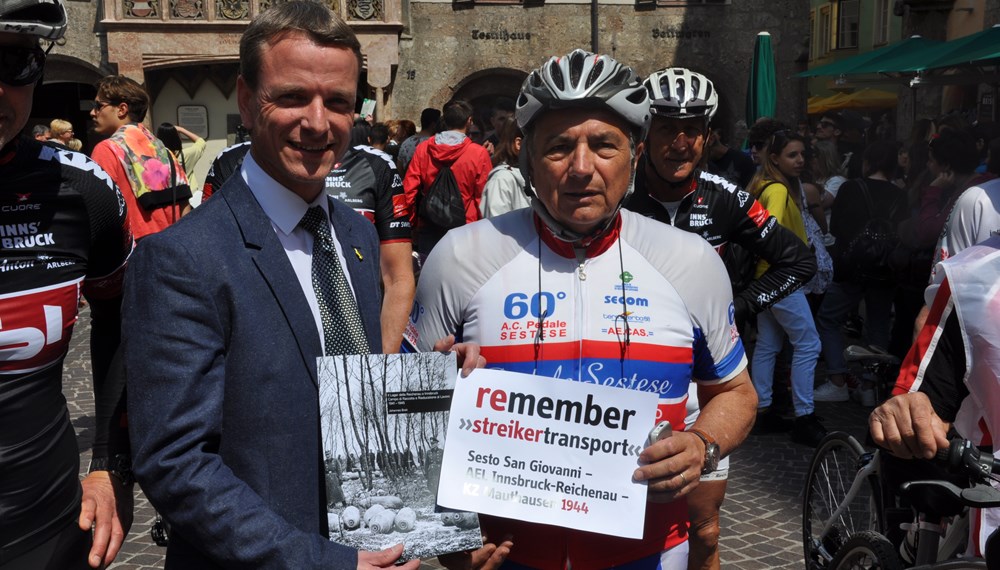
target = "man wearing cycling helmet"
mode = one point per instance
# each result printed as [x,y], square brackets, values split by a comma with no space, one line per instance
[618,300]
[672,187]
[64,232]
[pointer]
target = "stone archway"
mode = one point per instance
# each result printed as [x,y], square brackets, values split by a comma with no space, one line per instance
[483,88]
[66,92]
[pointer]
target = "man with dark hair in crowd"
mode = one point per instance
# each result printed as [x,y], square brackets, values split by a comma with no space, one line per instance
[378,136]
[727,161]
[846,129]
[154,202]
[469,163]
[429,118]
[501,112]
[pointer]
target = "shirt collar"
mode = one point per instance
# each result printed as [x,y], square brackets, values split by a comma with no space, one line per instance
[284,207]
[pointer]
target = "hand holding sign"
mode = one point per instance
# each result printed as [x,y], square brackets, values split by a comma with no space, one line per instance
[548,451]
[671,466]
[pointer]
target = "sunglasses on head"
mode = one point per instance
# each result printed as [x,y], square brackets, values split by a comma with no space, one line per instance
[21,65]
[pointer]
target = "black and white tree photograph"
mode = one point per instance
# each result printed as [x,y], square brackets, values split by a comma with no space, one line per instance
[384,419]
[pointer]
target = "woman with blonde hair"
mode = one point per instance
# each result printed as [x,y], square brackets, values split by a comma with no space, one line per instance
[776,187]
[61,131]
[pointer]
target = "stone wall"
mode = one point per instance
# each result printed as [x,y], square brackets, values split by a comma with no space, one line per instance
[449,46]
[84,45]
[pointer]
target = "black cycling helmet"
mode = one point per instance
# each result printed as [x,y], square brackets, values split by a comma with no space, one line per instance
[43,19]
[580,80]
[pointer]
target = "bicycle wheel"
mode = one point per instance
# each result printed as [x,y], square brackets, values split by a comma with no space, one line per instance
[866,550]
[832,471]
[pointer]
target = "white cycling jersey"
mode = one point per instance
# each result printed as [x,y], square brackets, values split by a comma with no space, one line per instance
[497,283]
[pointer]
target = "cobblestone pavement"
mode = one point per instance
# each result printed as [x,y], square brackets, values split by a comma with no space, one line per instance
[761,520]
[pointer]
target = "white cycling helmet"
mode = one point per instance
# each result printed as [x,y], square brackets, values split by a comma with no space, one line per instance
[680,93]
[584,79]
[43,19]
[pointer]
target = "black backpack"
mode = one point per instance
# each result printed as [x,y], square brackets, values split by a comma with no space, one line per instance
[869,252]
[442,205]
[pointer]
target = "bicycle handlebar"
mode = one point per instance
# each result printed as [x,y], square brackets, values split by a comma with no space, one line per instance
[962,456]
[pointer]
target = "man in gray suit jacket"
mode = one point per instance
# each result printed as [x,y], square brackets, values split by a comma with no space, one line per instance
[224,325]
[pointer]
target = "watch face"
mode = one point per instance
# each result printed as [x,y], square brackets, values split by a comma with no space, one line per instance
[711,457]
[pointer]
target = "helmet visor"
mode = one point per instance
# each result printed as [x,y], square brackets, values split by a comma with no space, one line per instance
[20,65]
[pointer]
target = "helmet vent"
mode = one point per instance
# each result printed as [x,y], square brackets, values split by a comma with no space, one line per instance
[595,73]
[681,87]
[623,77]
[557,77]
[575,67]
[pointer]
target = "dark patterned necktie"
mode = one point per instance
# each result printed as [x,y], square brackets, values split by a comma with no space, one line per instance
[343,332]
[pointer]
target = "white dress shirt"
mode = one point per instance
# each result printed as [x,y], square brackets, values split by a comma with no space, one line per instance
[285,209]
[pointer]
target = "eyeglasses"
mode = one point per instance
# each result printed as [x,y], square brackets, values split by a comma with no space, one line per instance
[98,105]
[21,65]
[827,124]
[757,145]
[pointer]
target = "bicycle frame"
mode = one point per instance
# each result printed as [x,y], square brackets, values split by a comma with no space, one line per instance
[869,468]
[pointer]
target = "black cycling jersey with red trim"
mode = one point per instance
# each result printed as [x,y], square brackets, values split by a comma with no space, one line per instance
[63,231]
[724,214]
[367,181]
[227,163]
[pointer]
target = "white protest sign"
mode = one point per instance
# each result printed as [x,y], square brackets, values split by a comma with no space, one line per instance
[548,451]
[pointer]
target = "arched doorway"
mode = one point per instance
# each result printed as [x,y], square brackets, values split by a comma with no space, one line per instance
[67,92]
[484,87]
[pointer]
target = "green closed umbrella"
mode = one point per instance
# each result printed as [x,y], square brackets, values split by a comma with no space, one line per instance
[762,87]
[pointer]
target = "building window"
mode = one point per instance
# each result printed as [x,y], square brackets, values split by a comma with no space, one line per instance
[823,32]
[847,24]
[881,23]
[813,33]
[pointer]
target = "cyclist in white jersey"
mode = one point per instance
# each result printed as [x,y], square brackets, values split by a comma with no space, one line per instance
[576,288]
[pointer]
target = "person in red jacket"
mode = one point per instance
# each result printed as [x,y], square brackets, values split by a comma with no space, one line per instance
[469,162]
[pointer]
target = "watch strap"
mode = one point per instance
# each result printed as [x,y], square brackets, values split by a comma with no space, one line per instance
[709,440]
[711,450]
[118,465]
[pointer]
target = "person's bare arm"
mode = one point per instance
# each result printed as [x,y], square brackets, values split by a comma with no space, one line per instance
[396,261]
[186,133]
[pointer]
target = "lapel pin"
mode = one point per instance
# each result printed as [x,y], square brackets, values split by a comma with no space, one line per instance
[357,252]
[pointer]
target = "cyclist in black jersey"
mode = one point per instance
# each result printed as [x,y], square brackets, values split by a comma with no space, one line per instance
[671,187]
[225,165]
[63,232]
[367,181]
